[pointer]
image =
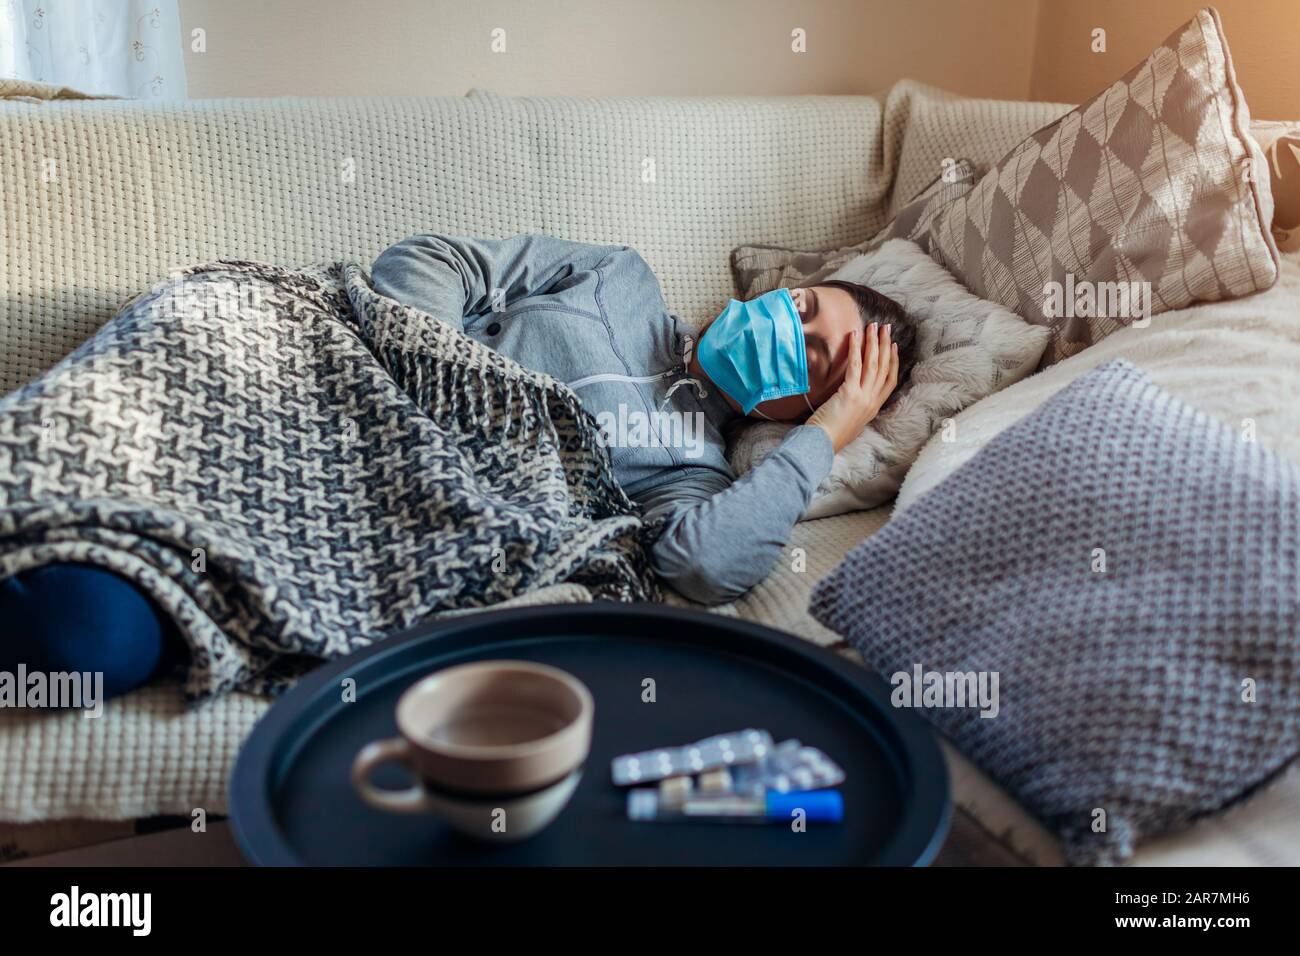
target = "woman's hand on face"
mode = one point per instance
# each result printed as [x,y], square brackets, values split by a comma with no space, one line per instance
[870,378]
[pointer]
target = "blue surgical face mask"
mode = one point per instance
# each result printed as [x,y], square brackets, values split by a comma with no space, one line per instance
[754,350]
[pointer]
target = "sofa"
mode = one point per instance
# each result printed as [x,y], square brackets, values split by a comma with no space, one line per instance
[102,198]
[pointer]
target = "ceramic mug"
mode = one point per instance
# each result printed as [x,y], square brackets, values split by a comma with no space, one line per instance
[497,747]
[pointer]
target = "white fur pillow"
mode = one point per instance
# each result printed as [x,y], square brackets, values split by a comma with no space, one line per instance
[966,348]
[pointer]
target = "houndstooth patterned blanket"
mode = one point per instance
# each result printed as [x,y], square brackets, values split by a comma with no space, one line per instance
[295,466]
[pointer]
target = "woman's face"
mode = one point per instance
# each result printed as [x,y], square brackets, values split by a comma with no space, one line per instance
[829,316]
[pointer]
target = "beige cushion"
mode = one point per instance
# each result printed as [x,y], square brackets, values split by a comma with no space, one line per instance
[1155,180]
[1280,143]
[759,269]
[932,141]
[942,126]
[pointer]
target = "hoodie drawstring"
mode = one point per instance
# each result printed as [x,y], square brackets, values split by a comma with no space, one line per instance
[680,371]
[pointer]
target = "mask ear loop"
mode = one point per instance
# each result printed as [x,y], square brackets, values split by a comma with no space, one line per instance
[805,401]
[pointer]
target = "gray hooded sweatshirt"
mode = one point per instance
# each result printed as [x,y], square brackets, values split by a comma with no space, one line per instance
[594,318]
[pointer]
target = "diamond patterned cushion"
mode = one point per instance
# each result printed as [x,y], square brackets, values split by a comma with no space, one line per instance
[1154,180]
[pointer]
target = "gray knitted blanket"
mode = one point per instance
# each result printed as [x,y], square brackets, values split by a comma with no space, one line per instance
[295,466]
[1101,609]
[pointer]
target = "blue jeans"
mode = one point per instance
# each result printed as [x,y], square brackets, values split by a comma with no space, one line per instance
[77,617]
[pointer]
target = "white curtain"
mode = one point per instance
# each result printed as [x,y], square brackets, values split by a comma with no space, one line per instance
[119,47]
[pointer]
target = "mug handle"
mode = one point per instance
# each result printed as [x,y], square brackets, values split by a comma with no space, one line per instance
[411,800]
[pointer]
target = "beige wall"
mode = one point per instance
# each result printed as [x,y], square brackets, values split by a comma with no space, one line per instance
[1015,49]
[392,47]
[1263,35]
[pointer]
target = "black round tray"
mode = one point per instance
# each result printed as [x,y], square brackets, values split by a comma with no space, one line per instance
[292,802]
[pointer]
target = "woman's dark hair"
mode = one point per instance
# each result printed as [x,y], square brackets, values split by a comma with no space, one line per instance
[877,307]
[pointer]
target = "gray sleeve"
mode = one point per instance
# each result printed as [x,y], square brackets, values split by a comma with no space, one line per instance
[451,277]
[723,537]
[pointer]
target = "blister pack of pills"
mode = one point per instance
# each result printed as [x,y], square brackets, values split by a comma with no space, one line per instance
[725,750]
[789,766]
[745,761]
[740,776]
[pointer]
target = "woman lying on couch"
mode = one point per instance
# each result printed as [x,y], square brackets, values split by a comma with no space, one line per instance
[594,317]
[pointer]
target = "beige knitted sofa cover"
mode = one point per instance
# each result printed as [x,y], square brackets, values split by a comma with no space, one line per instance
[102,198]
